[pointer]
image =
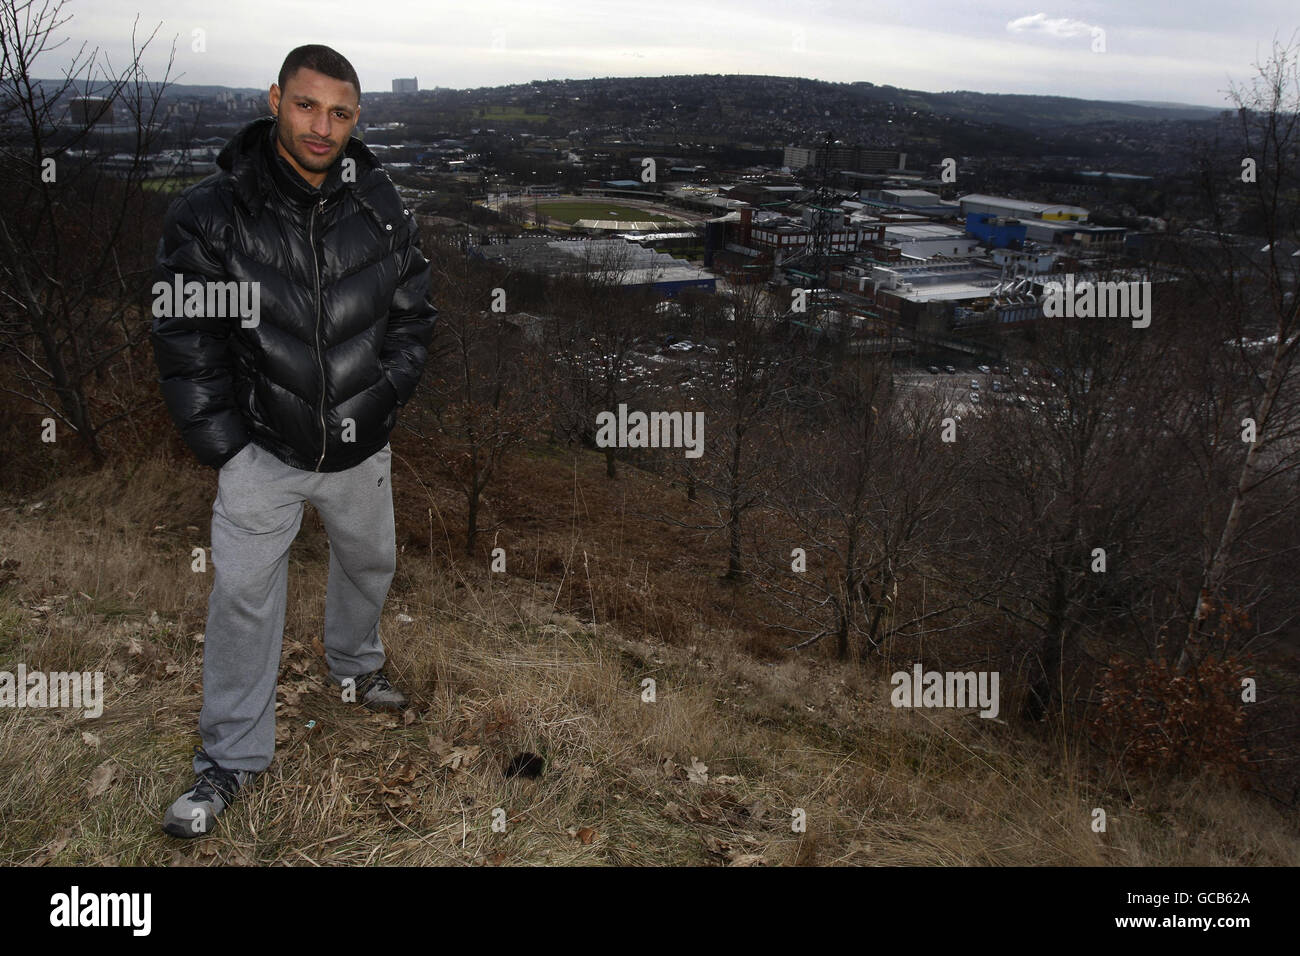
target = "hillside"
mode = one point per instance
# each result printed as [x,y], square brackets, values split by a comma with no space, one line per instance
[741,734]
[715,94]
[1033,112]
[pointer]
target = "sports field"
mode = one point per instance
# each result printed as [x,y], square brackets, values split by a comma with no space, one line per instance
[571,210]
[512,113]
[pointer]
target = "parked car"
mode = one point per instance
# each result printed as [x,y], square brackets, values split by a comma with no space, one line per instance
[975,397]
[933,370]
[950,370]
[974,385]
[984,369]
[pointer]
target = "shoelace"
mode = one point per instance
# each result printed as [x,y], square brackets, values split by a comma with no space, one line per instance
[375,681]
[214,780]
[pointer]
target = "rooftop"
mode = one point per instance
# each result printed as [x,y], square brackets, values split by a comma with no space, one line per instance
[923,231]
[1037,208]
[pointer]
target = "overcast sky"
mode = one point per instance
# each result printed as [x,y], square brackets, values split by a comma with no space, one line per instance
[1183,50]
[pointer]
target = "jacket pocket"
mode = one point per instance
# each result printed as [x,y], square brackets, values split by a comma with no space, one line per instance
[245,393]
[391,389]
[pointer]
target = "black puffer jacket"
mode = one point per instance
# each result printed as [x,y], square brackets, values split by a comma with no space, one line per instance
[345,317]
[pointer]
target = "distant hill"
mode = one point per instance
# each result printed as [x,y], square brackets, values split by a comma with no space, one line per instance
[1160,104]
[1020,111]
[1029,111]
[97,88]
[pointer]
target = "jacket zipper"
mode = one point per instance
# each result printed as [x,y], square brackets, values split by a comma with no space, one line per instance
[311,238]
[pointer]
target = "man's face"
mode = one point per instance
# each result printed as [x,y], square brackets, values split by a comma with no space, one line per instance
[315,115]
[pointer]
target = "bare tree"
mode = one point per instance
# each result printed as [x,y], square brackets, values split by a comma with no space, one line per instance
[738,383]
[868,476]
[73,245]
[1255,287]
[597,320]
[484,397]
[1069,532]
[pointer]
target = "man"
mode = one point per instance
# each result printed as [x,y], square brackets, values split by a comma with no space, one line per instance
[292,399]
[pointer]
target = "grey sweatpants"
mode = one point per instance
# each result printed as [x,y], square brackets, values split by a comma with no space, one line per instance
[255,518]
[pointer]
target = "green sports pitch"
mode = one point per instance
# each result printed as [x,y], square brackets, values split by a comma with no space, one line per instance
[571,211]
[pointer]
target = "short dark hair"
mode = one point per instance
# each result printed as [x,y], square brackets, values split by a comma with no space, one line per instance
[322,59]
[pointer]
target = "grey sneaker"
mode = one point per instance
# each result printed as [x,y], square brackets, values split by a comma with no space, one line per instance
[196,810]
[376,692]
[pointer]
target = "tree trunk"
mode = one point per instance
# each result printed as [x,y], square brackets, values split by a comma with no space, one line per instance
[734,568]
[841,632]
[1045,691]
[72,398]
[872,642]
[471,524]
[1217,568]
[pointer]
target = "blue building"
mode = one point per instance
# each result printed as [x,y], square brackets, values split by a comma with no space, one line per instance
[998,231]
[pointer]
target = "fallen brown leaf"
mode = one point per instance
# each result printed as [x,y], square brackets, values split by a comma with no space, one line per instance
[697,772]
[101,779]
[460,757]
[53,848]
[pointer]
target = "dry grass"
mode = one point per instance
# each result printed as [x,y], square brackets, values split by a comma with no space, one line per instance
[498,666]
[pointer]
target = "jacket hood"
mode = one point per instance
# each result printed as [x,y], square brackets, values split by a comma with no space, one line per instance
[257,167]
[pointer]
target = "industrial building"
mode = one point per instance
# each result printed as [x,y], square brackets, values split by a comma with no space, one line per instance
[91,111]
[852,158]
[920,202]
[1011,223]
[764,194]
[1032,260]
[996,231]
[1020,209]
[785,236]
[1074,234]
[927,240]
